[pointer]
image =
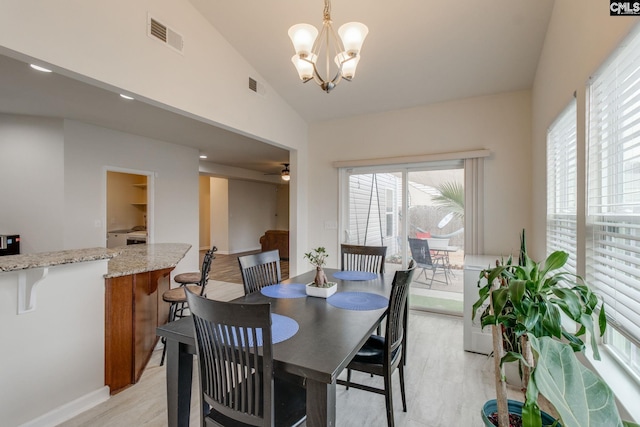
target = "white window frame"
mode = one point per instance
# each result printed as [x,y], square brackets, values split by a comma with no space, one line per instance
[562,185]
[613,197]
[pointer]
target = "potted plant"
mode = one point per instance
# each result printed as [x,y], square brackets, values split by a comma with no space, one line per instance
[525,306]
[320,287]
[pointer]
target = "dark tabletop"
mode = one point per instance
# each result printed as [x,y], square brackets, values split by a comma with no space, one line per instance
[328,337]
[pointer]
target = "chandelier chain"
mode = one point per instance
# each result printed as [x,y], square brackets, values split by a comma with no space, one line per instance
[327,11]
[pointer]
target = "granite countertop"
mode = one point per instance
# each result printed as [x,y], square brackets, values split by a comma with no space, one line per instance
[50,259]
[134,259]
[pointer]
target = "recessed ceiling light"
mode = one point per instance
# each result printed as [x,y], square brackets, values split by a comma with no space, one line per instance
[203,156]
[39,68]
[126,96]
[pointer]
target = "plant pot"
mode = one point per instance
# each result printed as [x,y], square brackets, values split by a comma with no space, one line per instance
[314,291]
[514,407]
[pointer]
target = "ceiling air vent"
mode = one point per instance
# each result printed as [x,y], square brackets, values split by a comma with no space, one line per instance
[253,85]
[166,35]
[256,87]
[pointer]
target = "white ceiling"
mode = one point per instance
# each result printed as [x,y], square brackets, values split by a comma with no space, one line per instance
[417,52]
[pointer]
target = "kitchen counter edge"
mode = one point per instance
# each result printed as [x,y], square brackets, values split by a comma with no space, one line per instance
[134,259]
[50,259]
[123,261]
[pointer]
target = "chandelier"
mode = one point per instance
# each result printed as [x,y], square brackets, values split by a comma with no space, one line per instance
[345,50]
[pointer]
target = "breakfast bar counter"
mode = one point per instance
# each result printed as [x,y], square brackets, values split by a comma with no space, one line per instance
[135,259]
[55,258]
[134,284]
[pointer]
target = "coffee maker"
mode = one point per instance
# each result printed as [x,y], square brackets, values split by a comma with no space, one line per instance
[9,244]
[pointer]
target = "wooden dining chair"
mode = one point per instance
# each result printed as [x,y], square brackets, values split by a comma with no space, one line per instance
[178,298]
[383,355]
[260,270]
[235,356]
[362,258]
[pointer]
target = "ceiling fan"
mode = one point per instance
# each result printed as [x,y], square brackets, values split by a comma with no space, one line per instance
[284,173]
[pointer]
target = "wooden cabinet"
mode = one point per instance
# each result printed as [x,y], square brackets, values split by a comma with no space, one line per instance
[133,310]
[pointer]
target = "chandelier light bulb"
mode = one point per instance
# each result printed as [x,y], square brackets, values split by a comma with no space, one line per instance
[353,35]
[304,66]
[303,36]
[348,64]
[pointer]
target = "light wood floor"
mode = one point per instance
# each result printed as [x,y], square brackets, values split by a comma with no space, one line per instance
[225,268]
[446,386]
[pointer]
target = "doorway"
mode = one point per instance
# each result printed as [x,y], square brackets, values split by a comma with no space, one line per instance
[128,208]
[417,213]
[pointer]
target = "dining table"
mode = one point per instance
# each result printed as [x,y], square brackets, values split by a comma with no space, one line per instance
[329,335]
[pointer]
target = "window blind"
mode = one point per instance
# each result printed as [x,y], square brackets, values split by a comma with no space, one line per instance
[613,187]
[562,185]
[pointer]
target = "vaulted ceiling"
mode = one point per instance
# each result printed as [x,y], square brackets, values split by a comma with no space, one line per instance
[417,52]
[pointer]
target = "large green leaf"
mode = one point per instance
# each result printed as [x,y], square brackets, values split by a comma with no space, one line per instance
[579,396]
[554,261]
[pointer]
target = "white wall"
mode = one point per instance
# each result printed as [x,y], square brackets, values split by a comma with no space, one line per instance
[580,37]
[90,150]
[53,356]
[87,48]
[32,181]
[204,218]
[56,182]
[220,214]
[282,207]
[252,211]
[499,123]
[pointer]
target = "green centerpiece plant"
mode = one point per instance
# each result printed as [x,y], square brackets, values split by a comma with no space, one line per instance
[525,304]
[320,286]
[317,257]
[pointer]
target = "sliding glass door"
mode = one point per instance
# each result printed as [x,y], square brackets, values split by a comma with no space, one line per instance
[416,212]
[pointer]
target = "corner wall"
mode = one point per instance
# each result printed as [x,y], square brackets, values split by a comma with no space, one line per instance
[32,181]
[581,35]
[499,123]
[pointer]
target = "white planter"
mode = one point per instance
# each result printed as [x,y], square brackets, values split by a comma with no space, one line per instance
[314,291]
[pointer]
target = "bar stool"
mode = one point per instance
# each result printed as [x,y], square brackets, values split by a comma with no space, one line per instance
[192,277]
[177,297]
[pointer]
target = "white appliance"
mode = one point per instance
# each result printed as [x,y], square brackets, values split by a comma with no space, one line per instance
[474,338]
[137,238]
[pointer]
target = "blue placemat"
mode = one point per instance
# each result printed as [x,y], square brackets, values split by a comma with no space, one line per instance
[282,328]
[291,290]
[354,275]
[358,301]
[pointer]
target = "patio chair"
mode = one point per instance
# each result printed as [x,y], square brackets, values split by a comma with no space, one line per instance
[426,261]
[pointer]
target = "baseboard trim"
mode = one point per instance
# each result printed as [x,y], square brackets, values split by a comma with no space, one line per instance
[69,410]
[240,251]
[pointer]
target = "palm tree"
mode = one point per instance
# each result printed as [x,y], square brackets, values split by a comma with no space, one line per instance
[451,198]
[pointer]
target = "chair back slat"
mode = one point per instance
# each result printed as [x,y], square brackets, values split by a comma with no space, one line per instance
[260,270]
[363,258]
[233,344]
[397,306]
